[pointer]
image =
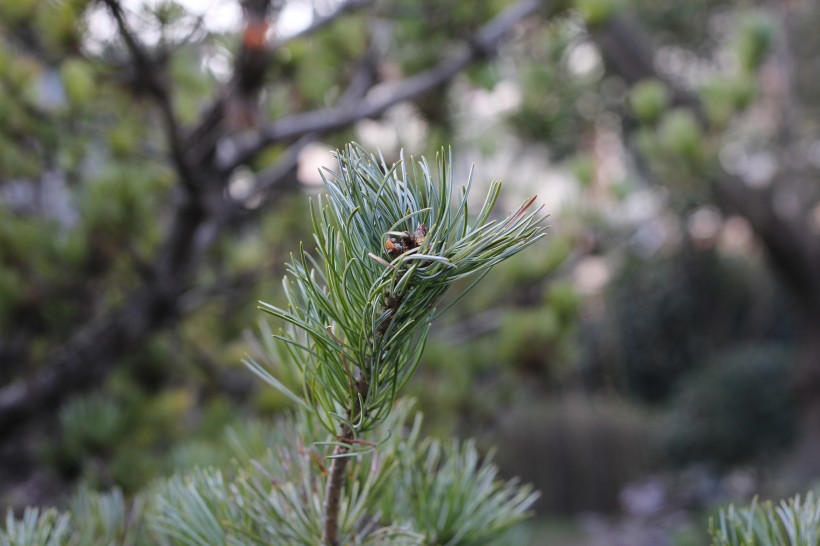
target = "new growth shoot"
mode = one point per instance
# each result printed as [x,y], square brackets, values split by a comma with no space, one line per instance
[389,242]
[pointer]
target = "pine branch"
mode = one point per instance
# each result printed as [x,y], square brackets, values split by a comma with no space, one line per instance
[405,493]
[391,241]
[795,522]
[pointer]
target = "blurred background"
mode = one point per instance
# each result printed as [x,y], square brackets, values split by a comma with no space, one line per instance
[657,356]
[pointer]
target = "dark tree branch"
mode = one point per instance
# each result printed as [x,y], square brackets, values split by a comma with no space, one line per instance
[791,248]
[344,8]
[484,43]
[271,178]
[149,71]
[235,104]
[83,358]
[86,357]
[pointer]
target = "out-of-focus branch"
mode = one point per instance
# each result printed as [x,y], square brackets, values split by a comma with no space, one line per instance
[150,74]
[235,105]
[791,247]
[87,356]
[483,44]
[83,358]
[628,52]
[212,127]
[271,177]
[344,8]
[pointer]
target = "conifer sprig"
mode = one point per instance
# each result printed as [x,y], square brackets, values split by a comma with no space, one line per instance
[792,522]
[389,243]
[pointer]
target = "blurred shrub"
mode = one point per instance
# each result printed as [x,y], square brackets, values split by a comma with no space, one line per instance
[539,342]
[91,425]
[664,315]
[475,368]
[723,97]
[735,410]
[579,452]
[78,81]
[680,134]
[564,116]
[678,21]
[648,100]
[460,386]
[523,272]
[597,12]
[124,438]
[753,40]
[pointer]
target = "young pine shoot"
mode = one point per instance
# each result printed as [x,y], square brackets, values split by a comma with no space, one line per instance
[390,242]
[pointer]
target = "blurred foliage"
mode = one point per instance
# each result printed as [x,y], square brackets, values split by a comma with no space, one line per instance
[753,40]
[561,60]
[680,22]
[598,12]
[734,410]
[578,451]
[478,363]
[648,99]
[85,189]
[665,314]
[724,97]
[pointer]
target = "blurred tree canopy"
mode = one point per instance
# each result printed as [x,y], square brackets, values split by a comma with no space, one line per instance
[148,156]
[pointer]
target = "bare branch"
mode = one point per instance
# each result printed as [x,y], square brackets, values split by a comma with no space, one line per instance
[149,73]
[320,23]
[235,105]
[484,43]
[270,178]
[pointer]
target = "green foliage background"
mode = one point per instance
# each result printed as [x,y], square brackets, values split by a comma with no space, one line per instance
[686,323]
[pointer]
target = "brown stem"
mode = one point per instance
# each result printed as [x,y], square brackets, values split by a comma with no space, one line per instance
[335,482]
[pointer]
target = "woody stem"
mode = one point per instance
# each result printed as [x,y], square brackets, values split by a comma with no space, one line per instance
[335,482]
